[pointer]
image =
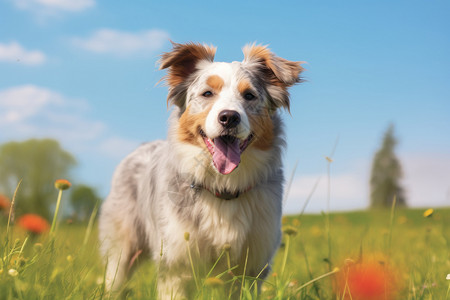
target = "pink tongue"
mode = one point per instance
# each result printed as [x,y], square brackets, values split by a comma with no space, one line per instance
[227,155]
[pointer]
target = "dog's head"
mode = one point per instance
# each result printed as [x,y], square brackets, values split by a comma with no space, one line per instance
[227,107]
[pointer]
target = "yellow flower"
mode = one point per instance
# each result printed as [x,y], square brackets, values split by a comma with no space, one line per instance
[214,282]
[290,230]
[428,213]
[186,236]
[62,184]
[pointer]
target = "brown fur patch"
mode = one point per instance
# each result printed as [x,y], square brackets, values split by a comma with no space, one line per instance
[215,82]
[244,86]
[182,61]
[262,127]
[189,126]
[278,72]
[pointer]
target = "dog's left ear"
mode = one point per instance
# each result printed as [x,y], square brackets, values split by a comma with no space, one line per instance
[181,63]
[279,73]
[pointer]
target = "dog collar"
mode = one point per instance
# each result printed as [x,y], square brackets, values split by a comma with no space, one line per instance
[223,194]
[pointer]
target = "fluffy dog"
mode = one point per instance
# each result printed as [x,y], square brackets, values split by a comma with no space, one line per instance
[218,176]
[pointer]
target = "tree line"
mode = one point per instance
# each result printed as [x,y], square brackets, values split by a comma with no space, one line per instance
[38,163]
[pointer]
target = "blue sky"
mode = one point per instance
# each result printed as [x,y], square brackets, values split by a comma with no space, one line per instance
[85,72]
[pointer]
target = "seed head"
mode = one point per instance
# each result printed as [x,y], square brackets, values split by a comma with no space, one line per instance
[290,230]
[214,282]
[62,184]
[38,247]
[227,247]
[13,272]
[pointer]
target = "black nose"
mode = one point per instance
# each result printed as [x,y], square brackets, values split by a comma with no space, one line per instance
[229,118]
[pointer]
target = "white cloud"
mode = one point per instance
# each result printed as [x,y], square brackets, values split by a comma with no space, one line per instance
[30,111]
[347,192]
[427,179]
[54,6]
[117,147]
[426,182]
[14,52]
[123,43]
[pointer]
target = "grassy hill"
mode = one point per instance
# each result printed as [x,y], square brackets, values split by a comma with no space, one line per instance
[322,257]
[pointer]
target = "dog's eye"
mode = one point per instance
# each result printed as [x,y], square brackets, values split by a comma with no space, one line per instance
[207,94]
[249,96]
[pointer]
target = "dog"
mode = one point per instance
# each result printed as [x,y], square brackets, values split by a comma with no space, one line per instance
[217,181]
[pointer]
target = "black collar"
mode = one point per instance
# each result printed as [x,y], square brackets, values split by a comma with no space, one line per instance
[222,194]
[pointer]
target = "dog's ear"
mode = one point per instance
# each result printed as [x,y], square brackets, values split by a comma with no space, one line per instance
[181,63]
[278,72]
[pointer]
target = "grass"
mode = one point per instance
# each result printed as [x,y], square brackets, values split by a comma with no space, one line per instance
[417,249]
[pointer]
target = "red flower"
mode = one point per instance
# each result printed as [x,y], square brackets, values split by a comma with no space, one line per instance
[4,203]
[367,281]
[34,223]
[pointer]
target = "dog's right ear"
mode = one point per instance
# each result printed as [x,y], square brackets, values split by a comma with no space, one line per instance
[181,63]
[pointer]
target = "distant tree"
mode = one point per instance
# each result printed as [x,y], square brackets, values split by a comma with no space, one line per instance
[83,199]
[386,174]
[38,163]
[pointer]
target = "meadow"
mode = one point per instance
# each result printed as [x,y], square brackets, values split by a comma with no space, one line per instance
[329,256]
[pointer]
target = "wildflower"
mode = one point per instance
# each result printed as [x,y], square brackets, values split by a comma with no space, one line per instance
[367,281]
[296,222]
[227,247]
[62,184]
[4,203]
[428,213]
[448,277]
[186,236]
[13,272]
[37,247]
[69,258]
[33,223]
[214,282]
[290,230]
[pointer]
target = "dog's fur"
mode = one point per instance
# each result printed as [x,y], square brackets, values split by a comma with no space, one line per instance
[166,189]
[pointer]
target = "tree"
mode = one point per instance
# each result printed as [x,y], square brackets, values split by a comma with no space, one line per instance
[386,174]
[83,199]
[38,163]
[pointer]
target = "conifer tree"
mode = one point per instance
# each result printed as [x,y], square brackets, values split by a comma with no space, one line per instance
[386,174]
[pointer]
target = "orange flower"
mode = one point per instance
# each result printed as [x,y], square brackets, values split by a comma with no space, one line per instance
[4,203]
[367,281]
[33,223]
[62,184]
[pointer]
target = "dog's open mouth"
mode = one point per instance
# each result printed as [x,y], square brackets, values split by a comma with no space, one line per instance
[226,151]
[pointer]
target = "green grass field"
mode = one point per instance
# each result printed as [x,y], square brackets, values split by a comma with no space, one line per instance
[414,249]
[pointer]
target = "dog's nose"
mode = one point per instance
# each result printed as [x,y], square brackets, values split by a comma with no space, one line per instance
[229,118]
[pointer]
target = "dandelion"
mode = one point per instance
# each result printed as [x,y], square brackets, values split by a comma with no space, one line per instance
[367,281]
[428,213]
[60,184]
[13,272]
[33,223]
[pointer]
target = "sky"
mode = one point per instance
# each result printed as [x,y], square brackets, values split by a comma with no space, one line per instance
[85,72]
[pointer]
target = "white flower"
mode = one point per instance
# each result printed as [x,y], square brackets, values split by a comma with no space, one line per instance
[13,272]
[448,277]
